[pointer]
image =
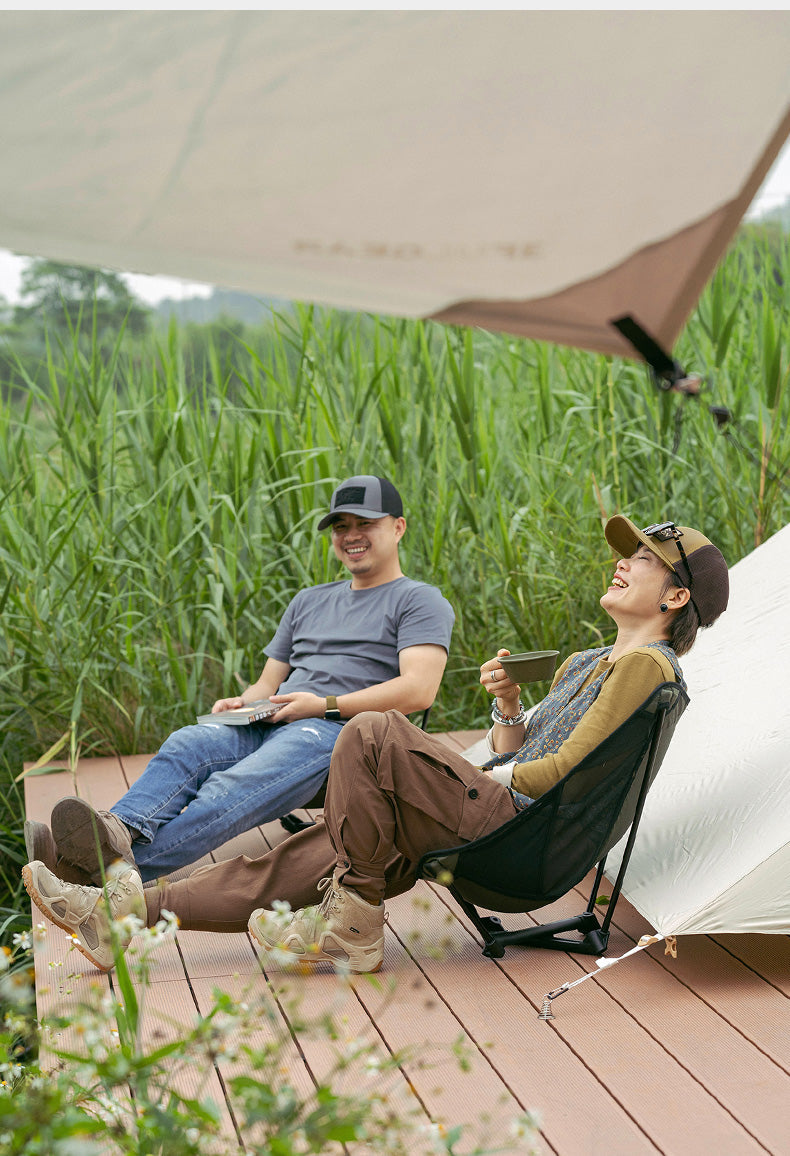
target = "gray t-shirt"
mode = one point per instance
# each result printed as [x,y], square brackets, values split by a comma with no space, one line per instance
[336,639]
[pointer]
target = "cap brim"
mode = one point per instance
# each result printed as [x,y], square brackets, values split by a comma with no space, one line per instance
[328,519]
[624,537]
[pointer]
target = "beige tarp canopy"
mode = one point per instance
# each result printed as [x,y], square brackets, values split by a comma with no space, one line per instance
[536,172]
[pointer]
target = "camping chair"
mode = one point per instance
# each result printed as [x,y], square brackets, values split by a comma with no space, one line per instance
[546,849]
[293,823]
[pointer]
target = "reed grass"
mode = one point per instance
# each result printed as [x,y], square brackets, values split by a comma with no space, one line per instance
[154,525]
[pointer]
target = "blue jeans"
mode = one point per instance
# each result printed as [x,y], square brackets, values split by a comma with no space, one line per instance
[229,779]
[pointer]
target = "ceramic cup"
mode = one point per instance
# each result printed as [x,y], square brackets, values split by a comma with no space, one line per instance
[530,665]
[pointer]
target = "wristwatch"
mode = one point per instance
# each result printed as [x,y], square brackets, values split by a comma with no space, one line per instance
[331,712]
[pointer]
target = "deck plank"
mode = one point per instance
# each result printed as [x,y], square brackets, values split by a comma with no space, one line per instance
[631,1057]
[747,1000]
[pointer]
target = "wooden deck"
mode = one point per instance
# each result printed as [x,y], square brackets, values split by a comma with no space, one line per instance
[686,1055]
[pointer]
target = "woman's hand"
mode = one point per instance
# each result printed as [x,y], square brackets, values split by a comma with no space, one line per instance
[496,682]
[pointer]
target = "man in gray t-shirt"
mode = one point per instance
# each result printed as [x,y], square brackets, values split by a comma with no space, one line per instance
[377,642]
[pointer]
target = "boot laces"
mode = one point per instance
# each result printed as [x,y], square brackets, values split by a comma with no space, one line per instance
[84,890]
[331,903]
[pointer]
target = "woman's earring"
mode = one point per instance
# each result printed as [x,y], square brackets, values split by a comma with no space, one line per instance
[663,608]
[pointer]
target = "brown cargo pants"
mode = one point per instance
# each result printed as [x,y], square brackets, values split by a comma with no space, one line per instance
[394,792]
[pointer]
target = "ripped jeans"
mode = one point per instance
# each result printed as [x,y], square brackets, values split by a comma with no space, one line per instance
[210,783]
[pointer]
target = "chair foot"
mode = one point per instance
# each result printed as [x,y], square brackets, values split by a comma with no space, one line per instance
[292,823]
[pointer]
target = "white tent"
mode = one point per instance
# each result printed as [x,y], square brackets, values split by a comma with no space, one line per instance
[713,849]
[538,172]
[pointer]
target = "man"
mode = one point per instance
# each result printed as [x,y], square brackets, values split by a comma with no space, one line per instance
[379,642]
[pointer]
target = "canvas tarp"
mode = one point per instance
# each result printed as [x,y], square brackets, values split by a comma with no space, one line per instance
[537,172]
[713,849]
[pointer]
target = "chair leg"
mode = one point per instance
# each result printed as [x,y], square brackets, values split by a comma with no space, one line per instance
[293,823]
[550,935]
[547,935]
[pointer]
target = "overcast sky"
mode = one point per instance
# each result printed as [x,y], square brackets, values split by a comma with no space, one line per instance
[775,191]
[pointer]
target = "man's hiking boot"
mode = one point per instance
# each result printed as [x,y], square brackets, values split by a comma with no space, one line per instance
[40,845]
[85,912]
[343,929]
[90,839]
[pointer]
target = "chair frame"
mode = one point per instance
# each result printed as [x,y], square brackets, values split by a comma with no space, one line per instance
[595,935]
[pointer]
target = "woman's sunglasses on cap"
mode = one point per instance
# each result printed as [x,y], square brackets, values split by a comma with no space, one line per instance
[665,531]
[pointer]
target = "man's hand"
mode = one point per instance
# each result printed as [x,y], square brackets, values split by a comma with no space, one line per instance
[299,704]
[227,704]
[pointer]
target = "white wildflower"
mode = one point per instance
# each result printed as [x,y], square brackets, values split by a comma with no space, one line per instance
[129,926]
[525,1127]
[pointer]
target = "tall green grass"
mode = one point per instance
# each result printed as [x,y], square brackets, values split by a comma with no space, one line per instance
[153,527]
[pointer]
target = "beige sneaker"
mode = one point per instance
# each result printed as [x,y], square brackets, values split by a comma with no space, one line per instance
[344,929]
[83,911]
[89,838]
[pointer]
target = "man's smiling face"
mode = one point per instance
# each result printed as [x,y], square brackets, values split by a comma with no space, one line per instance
[368,547]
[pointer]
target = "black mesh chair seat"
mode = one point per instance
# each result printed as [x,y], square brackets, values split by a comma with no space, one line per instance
[546,849]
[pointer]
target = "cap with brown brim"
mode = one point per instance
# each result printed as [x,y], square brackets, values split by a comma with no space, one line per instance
[699,564]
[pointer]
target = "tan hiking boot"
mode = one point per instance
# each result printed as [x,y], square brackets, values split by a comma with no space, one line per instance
[343,929]
[89,839]
[84,911]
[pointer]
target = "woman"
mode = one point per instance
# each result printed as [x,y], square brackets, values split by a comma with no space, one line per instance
[395,792]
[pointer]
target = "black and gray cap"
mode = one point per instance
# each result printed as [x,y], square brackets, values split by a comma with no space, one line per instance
[366,496]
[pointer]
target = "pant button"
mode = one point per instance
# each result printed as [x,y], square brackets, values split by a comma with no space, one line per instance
[473,792]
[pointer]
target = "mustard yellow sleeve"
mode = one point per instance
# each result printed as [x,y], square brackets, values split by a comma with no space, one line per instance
[632,679]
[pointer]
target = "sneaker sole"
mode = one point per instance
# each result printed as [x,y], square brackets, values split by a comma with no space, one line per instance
[38,899]
[79,829]
[319,957]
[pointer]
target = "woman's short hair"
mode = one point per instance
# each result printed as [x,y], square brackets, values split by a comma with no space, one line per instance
[684,623]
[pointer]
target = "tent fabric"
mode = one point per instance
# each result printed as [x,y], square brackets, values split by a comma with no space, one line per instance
[537,172]
[713,850]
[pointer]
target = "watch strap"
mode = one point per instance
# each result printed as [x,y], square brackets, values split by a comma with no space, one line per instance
[332,712]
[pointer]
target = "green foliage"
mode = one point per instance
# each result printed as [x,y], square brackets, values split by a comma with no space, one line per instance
[158,499]
[106,1086]
[61,296]
[65,309]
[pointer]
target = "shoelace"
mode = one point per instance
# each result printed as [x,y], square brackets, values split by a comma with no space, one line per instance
[331,901]
[84,890]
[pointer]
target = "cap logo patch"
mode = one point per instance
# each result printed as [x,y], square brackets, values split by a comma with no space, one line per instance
[350,496]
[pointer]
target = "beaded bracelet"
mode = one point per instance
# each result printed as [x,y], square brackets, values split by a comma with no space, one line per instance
[507,720]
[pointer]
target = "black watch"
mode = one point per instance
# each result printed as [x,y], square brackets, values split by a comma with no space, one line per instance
[331,712]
